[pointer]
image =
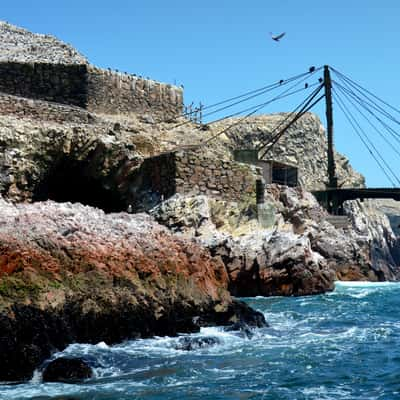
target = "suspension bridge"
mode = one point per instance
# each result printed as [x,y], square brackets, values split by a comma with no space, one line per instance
[353,100]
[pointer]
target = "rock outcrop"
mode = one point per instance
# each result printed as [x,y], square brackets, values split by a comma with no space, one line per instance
[373,228]
[38,136]
[301,254]
[67,370]
[70,273]
[304,145]
[20,45]
[274,261]
[391,208]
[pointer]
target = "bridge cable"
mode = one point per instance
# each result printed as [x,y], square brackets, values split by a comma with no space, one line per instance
[303,108]
[343,108]
[282,123]
[232,125]
[351,87]
[367,107]
[349,118]
[371,123]
[298,116]
[263,89]
[248,115]
[272,86]
[282,96]
[266,141]
[369,140]
[304,77]
[370,93]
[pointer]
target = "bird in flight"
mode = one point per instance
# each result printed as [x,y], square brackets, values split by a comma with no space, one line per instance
[277,38]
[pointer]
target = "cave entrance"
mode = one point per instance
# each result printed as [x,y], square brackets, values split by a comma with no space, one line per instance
[70,181]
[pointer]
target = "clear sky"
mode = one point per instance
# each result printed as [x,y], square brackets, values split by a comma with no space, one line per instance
[219,48]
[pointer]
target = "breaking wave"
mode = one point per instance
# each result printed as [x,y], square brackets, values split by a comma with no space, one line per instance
[342,345]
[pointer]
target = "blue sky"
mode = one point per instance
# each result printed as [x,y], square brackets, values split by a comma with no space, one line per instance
[218,49]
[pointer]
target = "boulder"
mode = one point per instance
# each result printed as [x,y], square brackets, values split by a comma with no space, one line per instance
[189,343]
[67,370]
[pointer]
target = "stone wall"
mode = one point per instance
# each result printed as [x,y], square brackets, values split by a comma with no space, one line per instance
[97,90]
[44,68]
[60,83]
[191,172]
[199,174]
[111,92]
[21,107]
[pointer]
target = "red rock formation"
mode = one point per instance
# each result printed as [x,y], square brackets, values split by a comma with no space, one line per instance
[72,273]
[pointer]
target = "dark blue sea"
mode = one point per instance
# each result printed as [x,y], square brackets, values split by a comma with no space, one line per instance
[341,345]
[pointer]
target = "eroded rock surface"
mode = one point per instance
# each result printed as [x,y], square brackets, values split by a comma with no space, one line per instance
[70,273]
[20,45]
[301,254]
[303,145]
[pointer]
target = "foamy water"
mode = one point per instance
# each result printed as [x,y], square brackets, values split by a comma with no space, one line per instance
[342,345]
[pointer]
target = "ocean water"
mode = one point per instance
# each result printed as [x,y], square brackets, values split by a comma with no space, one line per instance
[341,345]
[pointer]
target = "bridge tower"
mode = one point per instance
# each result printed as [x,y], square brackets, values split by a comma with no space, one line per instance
[332,178]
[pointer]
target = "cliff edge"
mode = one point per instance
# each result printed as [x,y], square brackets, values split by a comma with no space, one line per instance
[20,45]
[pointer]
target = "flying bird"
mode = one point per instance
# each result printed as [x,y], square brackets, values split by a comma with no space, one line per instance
[277,38]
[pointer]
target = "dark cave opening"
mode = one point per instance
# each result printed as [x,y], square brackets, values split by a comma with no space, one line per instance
[69,181]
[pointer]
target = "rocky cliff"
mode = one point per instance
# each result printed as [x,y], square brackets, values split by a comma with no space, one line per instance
[20,45]
[301,253]
[112,148]
[70,273]
[303,145]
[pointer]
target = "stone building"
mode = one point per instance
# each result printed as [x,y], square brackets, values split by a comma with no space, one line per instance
[192,172]
[272,171]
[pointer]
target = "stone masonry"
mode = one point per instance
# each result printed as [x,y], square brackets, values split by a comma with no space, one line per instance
[21,107]
[192,172]
[61,83]
[42,67]
[110,92]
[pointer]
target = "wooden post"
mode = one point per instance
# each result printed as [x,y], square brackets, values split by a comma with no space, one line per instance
[201,113]
[260,188]
[332,179]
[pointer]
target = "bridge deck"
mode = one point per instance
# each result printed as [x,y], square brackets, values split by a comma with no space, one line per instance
[362,193]
[332,199]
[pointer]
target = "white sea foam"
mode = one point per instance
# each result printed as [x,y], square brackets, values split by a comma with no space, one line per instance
[102,345]
[36,377]
[362,284]
[300,343]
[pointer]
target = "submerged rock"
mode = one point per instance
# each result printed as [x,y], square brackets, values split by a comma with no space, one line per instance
[67,370]
[243,329]
[194,343]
